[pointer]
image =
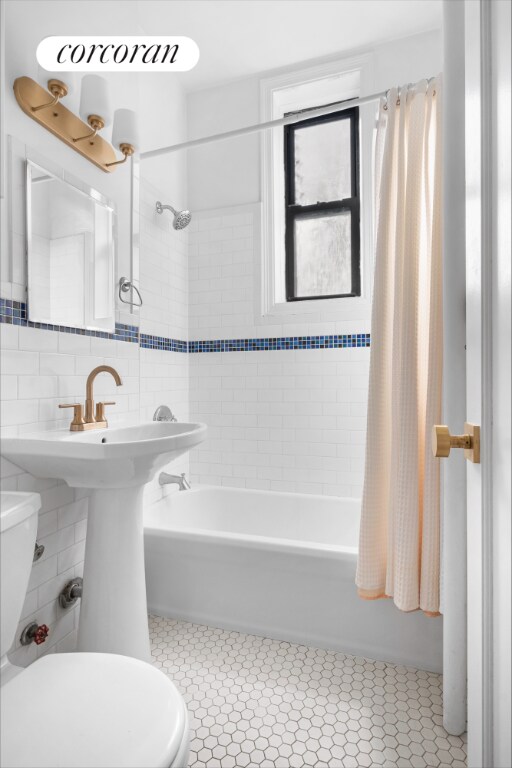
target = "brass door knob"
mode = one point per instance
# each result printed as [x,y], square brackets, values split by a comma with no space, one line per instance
[443,442]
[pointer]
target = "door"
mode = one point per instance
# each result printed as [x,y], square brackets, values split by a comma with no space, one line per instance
[487,125]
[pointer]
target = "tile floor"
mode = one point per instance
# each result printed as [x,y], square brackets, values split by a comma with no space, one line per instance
[260,702]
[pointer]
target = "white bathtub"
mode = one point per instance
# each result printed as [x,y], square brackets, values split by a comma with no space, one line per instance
[280,565]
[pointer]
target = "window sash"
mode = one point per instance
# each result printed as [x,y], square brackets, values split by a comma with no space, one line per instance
[294,211]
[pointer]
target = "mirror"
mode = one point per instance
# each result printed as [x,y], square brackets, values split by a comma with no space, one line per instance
[70,253]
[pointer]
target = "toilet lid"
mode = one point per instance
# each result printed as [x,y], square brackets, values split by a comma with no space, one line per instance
[90,710]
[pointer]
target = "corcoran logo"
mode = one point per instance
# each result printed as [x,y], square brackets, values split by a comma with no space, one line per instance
[117,54]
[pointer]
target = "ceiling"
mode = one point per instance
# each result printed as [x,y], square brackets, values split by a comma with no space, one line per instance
[237,38]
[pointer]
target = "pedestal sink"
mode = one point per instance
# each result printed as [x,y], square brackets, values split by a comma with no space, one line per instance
[115,463]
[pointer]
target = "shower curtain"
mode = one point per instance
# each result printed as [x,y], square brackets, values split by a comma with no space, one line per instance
[399,548]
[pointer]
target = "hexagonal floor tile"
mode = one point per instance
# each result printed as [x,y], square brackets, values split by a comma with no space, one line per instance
[261,703]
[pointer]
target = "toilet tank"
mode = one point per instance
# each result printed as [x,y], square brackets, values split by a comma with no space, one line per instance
[18,528]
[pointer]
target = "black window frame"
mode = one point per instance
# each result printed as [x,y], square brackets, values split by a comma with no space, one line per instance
[294,211]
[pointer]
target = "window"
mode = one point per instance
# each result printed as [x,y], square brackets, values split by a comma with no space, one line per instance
[322,238]
[319,147]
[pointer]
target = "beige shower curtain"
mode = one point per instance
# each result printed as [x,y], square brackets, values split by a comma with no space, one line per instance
[399,548]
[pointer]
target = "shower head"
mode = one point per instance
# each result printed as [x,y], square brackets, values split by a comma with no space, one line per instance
[181,218]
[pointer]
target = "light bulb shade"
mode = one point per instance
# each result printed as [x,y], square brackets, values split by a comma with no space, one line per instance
[94,98]
[125,128]
[68,78]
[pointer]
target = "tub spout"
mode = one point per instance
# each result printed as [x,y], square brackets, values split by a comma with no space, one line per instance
[181,481]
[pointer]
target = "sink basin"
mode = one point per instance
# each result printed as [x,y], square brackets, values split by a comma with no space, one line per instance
[117,457]
[115,464]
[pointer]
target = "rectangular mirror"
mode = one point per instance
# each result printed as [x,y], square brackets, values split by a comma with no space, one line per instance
[70,253]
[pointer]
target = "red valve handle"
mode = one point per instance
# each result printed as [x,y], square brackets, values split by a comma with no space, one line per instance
[41,634]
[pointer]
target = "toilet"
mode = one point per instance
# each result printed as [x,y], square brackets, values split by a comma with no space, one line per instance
[77,710]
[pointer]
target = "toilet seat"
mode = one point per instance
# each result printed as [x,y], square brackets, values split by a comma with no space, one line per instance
[92,710]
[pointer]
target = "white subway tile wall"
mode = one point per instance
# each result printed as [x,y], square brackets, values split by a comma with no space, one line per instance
[163,270]
[221,274]
[164,313]
[45,368]
[41,369]
[283,420]
[164,380]
[290,420]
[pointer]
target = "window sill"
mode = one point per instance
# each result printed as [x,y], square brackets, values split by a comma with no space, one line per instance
[347,309]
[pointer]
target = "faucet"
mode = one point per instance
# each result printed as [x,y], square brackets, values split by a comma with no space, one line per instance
[92,419]
[181,481]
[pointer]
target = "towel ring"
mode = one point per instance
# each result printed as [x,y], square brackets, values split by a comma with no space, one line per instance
[126,285]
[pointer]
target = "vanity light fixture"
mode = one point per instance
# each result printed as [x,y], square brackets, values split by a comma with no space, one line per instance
[58,87]
[125,134]
[94,105]
[80,133]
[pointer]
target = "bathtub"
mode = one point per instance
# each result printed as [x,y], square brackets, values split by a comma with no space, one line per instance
[281,565]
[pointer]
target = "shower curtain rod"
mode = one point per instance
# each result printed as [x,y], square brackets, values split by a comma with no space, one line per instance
[336,106]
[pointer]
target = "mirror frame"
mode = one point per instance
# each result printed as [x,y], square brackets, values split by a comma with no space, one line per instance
[133,309]
[91,194]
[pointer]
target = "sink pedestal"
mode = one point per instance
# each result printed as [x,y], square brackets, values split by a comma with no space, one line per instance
[115,464]
[113,612]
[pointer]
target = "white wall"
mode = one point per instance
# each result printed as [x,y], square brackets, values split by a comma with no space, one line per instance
[158,101]
[281,420]
[501,319]
[284,420]
[115,186]
[41,368]
[164,287]
[228,172]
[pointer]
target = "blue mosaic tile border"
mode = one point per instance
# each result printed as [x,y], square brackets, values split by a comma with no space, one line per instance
[161,342]
[340,341]
[15,313]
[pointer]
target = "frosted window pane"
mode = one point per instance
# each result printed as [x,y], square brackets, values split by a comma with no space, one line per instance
[322,163]
[323,262]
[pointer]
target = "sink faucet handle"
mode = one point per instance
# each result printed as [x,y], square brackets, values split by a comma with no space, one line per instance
[100,410]
[78,415]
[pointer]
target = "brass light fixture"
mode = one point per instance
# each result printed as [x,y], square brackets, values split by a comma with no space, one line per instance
[58,89]
[94,105]
[124,134]
[82,135]
[97,123]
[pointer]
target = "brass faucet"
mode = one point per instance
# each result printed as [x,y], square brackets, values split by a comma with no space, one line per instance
[92,419]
